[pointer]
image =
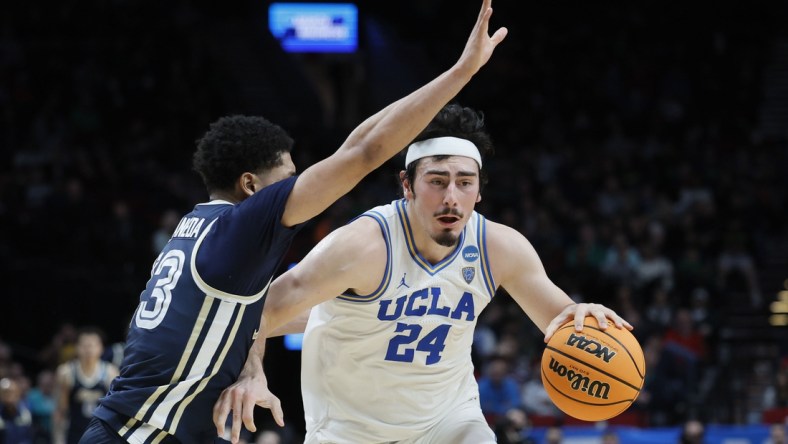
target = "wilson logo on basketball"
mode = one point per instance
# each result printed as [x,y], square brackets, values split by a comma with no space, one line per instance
[591,346]
[578,381]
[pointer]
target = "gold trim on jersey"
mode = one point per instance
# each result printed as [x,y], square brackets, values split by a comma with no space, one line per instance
[202,285]
[186,401]
[481,240]
[384,283]
[411,243]
[198,326]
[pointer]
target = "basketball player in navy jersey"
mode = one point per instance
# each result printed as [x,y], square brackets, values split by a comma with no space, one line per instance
[387,362]
[197,318]
[80,383]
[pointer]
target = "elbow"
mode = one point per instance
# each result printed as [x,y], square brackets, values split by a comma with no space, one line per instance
[366,156]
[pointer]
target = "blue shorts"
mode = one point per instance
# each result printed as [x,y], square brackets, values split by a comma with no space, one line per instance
[98,432]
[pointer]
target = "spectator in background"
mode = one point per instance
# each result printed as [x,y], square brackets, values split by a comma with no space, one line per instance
[736,265]
[498,390]
[554,435]
[685,347]
[659,311]
[585,257]
[683,339]
[776,394]
[62,347]
[664,386]
[513,428]
[777,434]
[621,261]
[535,399]
[169,220]
[609,437]
[16,422]
[654,270]
[692,432]
[41,402]
[81,382]
[5,360]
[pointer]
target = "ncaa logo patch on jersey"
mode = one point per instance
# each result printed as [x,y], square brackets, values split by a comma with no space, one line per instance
[470,253]
[468,273]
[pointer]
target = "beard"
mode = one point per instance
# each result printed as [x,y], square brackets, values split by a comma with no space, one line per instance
[446,239]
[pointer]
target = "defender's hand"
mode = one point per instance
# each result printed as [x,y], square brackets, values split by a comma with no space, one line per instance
[240,399]
[481,45]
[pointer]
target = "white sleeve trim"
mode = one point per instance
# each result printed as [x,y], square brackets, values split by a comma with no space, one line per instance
[219,294]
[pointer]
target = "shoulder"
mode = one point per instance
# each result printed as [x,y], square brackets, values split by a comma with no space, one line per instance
[362,236]
[112,370]
[502,239]
[65,373]
[509,251]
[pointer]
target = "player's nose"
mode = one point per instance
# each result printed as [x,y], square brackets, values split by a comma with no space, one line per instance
[450,196]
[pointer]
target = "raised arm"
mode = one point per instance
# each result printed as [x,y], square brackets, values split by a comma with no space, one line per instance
[351,257]
[517,268]
[384,134]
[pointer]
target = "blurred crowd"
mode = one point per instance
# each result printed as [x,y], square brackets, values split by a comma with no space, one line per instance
[628,153]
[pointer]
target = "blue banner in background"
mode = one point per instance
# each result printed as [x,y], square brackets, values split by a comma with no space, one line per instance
[315,27]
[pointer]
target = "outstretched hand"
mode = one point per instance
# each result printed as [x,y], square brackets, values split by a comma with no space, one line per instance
[578,313]
[240,399]
[481,45]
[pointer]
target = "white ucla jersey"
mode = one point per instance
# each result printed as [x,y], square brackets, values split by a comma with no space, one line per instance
[389,365]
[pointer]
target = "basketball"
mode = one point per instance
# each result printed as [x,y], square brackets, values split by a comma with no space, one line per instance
[593,375]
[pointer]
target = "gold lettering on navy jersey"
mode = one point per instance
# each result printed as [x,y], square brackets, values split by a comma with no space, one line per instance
[424,302]
[189,227]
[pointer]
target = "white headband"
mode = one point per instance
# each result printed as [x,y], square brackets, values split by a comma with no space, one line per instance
[443,146]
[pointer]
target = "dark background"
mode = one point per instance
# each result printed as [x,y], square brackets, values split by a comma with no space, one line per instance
[662,122]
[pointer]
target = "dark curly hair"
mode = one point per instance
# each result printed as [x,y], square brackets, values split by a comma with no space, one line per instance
[237,144]
[456,121]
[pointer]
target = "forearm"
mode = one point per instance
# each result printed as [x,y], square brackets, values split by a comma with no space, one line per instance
[254,361]
[297,325]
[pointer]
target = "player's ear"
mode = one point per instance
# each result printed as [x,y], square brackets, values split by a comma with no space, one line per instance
[478,197]
[247,184]
[406,189]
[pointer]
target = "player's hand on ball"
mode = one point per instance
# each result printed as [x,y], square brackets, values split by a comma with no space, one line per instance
[578,312]
[240,399]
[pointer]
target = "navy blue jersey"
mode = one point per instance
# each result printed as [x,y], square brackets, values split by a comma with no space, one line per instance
[83,397]
[197,317]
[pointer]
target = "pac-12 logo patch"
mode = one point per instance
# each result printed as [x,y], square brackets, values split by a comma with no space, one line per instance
[470,253]
[468,273]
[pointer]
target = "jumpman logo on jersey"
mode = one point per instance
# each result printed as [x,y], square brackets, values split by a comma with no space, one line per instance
[402,282]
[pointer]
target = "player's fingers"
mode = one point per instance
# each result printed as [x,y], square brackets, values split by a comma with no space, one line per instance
[601,319]
[581,311]
[276,410]
[220,411]
[235,433]
[483,12]
[248,414]
[499,35]
[622,323]
[553,326]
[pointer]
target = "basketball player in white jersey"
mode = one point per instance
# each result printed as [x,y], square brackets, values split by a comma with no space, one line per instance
[397,293]
[199,313]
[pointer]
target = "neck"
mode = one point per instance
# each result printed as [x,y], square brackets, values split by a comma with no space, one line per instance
[225,195]
[430,250]
[88,366]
